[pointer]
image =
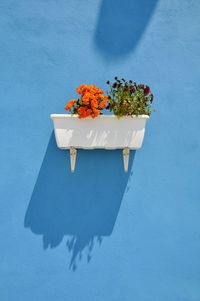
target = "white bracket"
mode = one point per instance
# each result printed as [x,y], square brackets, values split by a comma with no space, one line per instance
[126,153]
[73,153]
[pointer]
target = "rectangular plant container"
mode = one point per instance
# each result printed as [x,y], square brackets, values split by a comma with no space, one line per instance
[105,131]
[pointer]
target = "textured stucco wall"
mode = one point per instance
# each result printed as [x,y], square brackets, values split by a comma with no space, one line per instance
[99,234]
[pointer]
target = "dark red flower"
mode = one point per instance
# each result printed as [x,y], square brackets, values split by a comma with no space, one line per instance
[146,90]
[132,89]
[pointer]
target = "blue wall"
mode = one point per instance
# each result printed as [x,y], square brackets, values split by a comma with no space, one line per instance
[99,234]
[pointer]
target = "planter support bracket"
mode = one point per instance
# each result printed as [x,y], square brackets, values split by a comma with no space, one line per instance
[126,153]
[73,153]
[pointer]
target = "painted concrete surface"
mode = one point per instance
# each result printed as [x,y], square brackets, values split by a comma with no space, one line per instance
[99,234]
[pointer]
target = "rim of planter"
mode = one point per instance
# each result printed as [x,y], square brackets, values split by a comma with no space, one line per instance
[99,117]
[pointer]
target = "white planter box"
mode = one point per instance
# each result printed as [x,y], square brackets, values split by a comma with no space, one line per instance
[105,131]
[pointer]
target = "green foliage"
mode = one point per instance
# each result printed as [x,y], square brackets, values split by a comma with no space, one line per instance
[128,98]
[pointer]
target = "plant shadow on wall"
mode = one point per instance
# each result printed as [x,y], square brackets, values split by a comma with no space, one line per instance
[84,205]
[121,24]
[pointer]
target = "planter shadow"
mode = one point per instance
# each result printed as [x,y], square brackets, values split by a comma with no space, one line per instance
[121,25]
[84,205]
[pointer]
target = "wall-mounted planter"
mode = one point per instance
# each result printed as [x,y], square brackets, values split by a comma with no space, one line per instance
[103,132]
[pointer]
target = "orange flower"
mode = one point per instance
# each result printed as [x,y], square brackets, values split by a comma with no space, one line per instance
[89,111]
[92,96]
[70,104]
[82,112]
[103,104]
[85,100]
[91,102]
[81,89]
[95,89]
[96,112]
[94,103]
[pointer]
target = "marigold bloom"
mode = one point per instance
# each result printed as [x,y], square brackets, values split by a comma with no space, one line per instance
[89,111]
[82,112]
[81,89]
[90,103]
[70,104]
[103,104]
[94,103]
[96,111]
[94,90]
[85,99]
